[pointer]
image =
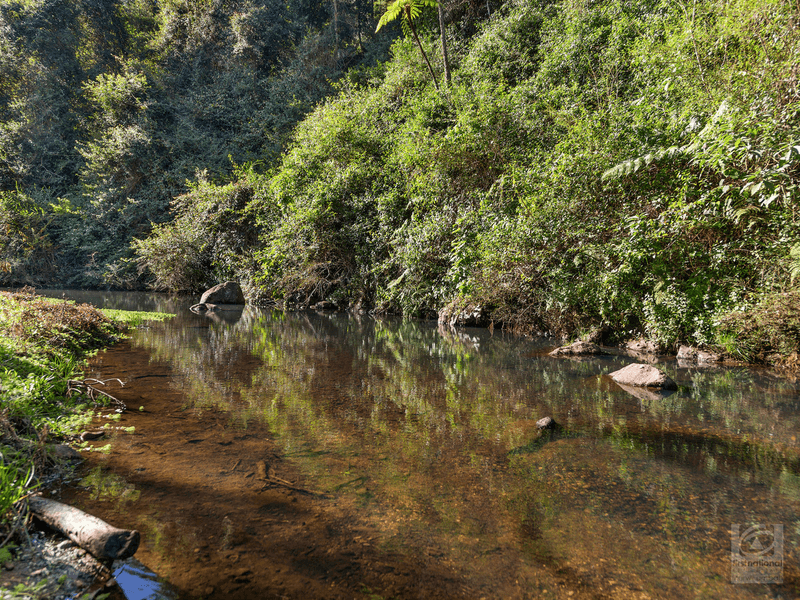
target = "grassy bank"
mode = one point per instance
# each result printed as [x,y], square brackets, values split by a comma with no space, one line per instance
[43,344]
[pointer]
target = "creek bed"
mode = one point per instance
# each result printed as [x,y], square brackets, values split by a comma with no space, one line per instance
[315,455]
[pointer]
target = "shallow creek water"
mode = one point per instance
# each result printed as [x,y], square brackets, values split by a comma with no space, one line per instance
[306,455]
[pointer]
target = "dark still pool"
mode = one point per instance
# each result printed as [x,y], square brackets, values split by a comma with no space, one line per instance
[266,454]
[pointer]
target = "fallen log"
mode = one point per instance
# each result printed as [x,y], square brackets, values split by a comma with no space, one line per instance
[97,537]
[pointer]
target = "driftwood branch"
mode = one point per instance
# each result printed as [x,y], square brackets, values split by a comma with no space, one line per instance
[97,537]
[89,387]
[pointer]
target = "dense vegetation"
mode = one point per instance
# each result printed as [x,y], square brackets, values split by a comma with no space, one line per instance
[107,107]
[626,164]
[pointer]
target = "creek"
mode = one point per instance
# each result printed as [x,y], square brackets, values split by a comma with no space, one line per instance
[309,455]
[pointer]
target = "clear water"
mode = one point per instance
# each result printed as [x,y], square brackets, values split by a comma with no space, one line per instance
[426,437]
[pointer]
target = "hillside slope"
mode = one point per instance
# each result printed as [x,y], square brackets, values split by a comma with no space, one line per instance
[630,164]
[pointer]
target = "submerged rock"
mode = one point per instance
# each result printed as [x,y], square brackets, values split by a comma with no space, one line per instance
[225,293]
[643,376]
[578,349]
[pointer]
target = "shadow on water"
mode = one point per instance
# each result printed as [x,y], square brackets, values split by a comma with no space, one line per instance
[310,455]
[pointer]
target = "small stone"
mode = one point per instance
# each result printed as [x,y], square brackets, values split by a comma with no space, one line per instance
[65,545]
[209,590]
[9,566]
[111,583]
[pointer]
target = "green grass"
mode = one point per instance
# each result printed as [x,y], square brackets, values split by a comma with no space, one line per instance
[43,344]
[134,318]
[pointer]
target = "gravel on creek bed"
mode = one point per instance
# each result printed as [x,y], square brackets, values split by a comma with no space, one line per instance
[53,568]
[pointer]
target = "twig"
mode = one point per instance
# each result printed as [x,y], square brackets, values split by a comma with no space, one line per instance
[87,386]
[286,484]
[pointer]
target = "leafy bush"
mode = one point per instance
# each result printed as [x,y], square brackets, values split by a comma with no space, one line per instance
[768,331]
[210,239]
[628,164]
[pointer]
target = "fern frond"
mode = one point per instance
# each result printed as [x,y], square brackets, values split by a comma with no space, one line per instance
[393,10]
[632,165]
[399,7]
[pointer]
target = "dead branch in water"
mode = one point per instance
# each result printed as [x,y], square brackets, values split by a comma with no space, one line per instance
[87,387]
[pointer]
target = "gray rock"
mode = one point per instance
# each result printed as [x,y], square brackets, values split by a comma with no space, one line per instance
[578,349]
[597,336]
[689,353]
[224,293]
[643,376]
[642,346]
[65,452]
[547,423]
[471,315]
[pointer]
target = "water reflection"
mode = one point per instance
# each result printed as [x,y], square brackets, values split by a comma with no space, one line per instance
[431,435]
[137,582]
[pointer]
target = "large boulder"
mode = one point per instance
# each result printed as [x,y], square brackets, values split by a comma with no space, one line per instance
[224,293]
[643,376]
[578,349]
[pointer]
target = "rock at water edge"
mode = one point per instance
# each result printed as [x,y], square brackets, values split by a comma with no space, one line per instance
[578,349]
[643,376]
[225,293]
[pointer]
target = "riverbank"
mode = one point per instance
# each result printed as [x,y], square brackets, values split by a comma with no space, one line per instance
[46,406]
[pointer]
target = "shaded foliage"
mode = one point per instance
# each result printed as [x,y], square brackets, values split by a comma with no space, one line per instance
[109,107]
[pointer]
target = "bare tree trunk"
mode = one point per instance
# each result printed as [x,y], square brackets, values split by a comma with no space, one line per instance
[419,45]
[336,32]
[444,43]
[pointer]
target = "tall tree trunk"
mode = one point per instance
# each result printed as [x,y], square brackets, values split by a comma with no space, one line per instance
[419,45]
[336,32]
[444,43]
